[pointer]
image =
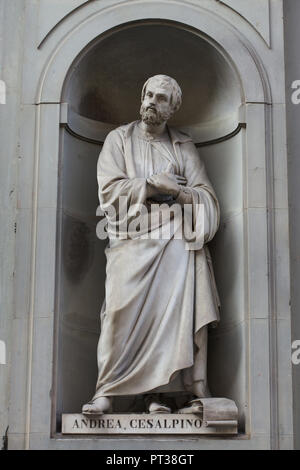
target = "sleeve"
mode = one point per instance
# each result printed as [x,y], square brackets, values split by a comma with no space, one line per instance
[199,194]
[119,196]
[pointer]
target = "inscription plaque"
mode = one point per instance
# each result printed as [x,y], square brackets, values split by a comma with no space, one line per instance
[144,424]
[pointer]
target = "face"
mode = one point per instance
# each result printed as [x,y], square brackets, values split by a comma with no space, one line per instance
[156,107]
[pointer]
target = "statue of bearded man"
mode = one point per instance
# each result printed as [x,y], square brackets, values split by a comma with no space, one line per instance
[160,295]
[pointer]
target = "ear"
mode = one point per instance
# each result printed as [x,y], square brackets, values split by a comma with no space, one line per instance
[144,90]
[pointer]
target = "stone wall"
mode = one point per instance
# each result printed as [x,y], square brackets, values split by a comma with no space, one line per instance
[11,50]
[34,34]
[292,62]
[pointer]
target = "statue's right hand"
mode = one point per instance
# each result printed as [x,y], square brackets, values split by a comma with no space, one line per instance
[181,180]
[167,183]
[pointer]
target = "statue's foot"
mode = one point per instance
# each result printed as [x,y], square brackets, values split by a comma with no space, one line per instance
[97,406]
[155,406]
[193,407]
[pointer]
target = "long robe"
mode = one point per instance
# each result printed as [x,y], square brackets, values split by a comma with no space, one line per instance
[159,294]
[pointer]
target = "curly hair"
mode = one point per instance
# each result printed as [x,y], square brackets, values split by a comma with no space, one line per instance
[176,95]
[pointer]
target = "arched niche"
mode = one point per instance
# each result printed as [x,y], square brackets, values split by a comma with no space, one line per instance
[104,82]
[101,91]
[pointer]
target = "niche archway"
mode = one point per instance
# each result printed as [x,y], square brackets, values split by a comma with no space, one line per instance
[102,91]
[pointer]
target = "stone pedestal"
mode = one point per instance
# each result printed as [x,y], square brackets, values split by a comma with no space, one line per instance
[203,416]
[145,423]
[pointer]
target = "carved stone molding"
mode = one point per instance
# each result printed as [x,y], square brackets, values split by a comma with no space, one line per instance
[49,18]
[256,12]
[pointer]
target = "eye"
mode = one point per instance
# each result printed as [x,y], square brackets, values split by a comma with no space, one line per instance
[149,94]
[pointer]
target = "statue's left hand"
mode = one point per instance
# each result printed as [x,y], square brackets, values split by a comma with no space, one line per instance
[167,183]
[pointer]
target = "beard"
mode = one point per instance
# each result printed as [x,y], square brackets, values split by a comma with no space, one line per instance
[153,117]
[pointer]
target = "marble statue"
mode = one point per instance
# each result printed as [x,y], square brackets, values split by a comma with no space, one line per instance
[160,296]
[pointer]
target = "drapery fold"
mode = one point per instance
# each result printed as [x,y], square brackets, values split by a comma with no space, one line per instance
[159,293]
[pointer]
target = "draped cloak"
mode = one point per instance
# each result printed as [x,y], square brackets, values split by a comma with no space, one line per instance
[158,293]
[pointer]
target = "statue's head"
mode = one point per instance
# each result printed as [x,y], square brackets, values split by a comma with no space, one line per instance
[161,98]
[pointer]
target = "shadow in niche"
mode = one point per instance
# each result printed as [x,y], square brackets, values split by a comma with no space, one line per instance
[227,343]
[104,85]
[226,347]
[105,82]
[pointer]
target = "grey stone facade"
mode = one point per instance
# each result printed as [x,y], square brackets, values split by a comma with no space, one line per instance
[48,61]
